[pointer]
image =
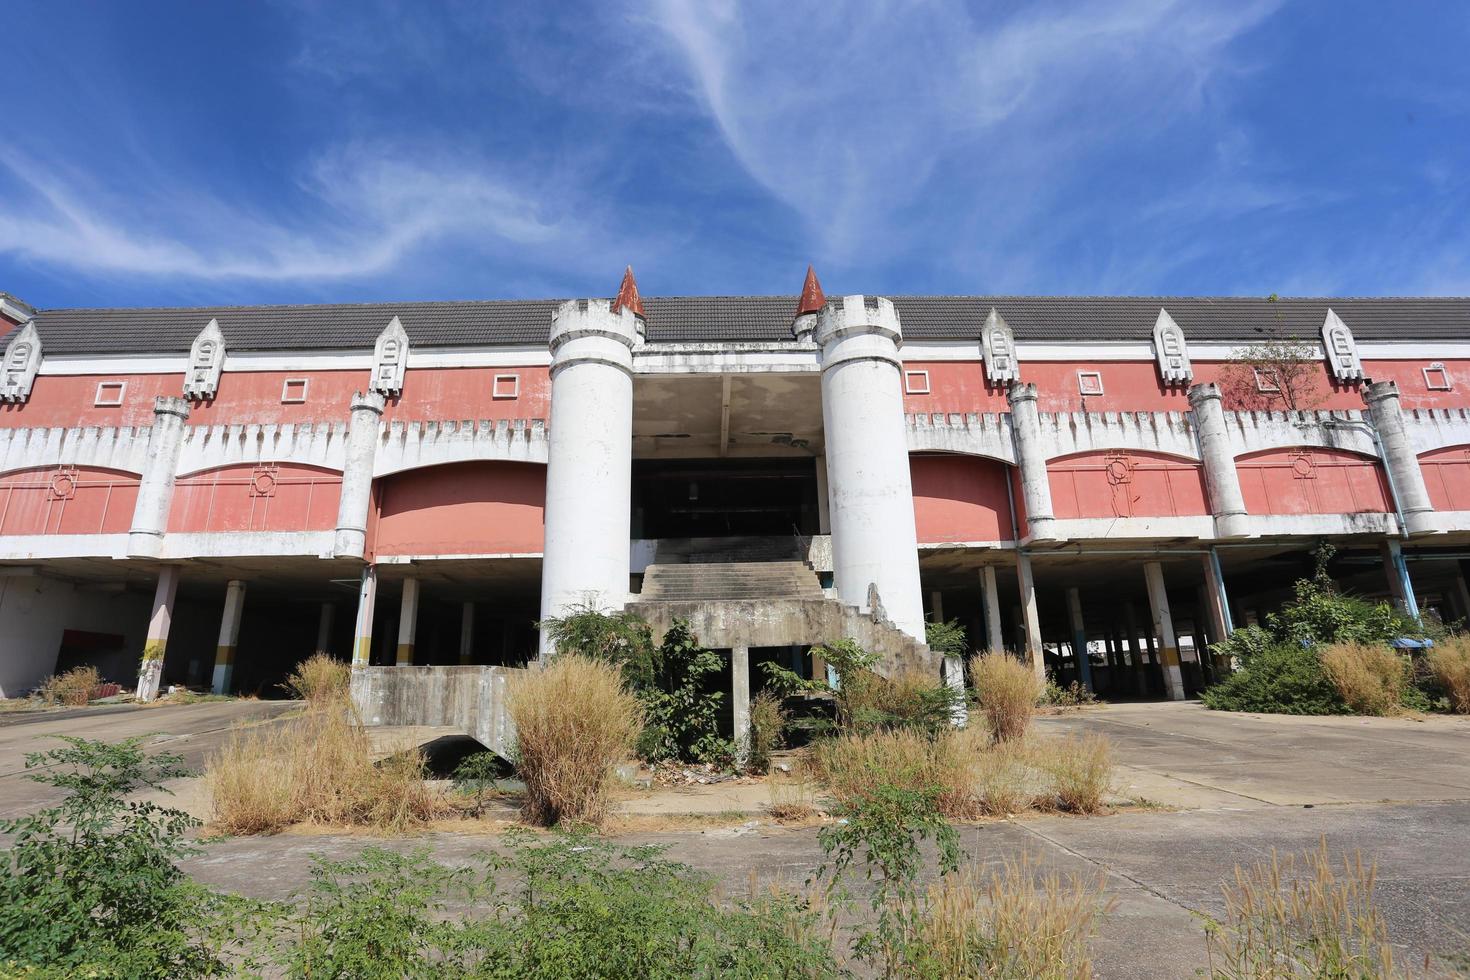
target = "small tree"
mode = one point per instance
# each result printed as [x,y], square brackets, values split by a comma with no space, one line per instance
[1278,372]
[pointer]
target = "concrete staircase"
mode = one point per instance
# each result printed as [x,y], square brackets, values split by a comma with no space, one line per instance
[709,581]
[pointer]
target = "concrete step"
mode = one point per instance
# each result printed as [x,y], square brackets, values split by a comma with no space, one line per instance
[731,580]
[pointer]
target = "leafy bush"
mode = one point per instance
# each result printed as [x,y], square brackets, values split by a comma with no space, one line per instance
[1371,678]
[1281,679]
[1449,663]
[912,701]
[575,721]
[1007,691]
[90,887]
[1074,695]
[319,679]
[767,731]
[475,777]
[683,717]
[622,638]
[948,639]
[73,688]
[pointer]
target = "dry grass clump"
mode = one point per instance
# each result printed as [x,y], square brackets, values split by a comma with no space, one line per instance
[793,796]
[767,731]
[73,687]
[1080,768]
[575,721]
[1370,677]
[1449,661]
[319,679]
[1319,923]
[1008,692]
[852,765]
[316,769]
[1014,922]
[1004,780]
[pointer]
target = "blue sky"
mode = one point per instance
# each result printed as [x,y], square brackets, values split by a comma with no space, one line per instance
[181,153]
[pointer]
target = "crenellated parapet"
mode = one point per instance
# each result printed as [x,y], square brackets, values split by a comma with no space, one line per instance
[206,447]
[972,434]
[1065,433]
[1430,429]
[122,448]
[409,445]
[1251,432]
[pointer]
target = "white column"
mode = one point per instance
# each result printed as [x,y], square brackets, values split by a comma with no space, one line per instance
[740,700]
[589,474]
[1079,636]
[229,637]
[1217,456]
[992,608]
[824,505]
[1031,461]
[156,487]
[357,474]
[467,633]
[1158,600]
[874,543]
[408,622]
[362,633]
[1030,616]
[1411,496]
[324,629]
[150,671]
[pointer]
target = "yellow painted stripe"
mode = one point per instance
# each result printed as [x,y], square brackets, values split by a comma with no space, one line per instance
[405,654]
[153,649]
[224,656]
[1171,656]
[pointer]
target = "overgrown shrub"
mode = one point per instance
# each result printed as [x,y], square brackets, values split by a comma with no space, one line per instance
[1074,695]
[851,765]
[320,679]
[767,731]
[1080,767]
[1004,781]
[622,638]
[575,721]
[911,701]
[475,777]
[1007,692]
[1370,677]
[72,688]
[1283,678]
[948,639]
[1449,663]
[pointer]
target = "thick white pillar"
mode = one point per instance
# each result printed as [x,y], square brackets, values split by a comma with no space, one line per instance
[362,633]
[156,487]
[992,608]
[1079,636]
[589,474]
[357,474]
[1031,461]
[324,629]
[408,622]
[740,700]
[1030,616]
[467,633]
[229,637]
[150,671]
[1158,600]
[824,505]
[1222,481]
[874,543]
[1399,458]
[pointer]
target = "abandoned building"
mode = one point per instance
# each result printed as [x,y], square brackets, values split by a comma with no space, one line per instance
[1104,485]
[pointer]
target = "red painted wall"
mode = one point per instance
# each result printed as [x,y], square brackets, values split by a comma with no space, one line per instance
[1447,476]
[955,386]
[960,498]
[461,509]
[441,394]
[282,497]
[1126,484]
[67,400]
[67,500]
[1312,481]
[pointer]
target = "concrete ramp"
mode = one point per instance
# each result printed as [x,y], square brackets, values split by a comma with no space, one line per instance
[470,699]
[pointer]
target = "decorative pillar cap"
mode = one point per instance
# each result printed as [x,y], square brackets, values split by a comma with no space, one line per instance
[1207,391]
[628,297]
[368,401]
[171,405]
[1021,391]
[1380,391]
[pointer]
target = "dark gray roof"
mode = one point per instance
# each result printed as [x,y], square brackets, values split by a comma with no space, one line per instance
[1057,319]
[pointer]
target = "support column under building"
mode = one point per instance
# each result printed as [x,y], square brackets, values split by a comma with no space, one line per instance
[229,637]
[467,633]
[1031,462]
[366,412]
[1399,583]
[874,541]
[362,632]
[992,608]
[740,701]
[589,472]
[1030,616]
[1079,637]
[1462,587]
[408,622]
[1163,628]
[324,629]
[1402,463]
[156,484]
[150,671]
[1217,456]
[1135,650]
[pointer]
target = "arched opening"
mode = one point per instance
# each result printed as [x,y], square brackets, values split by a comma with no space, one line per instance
[1125,483]
[67,500]
[256,497]
[1447,477]
[960,498]
[1312,480]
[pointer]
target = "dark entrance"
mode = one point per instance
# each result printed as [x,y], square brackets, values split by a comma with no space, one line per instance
[714,498]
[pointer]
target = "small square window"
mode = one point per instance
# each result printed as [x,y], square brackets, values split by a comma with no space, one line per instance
[1436,378]
[506,386]
[1267,382]
[293,391]
[916,382]
[1090,382]
[110,394]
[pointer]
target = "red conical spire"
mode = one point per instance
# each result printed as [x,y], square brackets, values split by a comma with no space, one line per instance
[812,298]
[628,294]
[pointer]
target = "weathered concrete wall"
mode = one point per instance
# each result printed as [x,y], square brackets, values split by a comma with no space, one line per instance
[472,699]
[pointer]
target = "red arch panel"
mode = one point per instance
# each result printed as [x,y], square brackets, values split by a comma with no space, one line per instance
[267,497]
[1311,480]
[480,508]
[960,498]
[67,500]
[1447,476]
[1125,483]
